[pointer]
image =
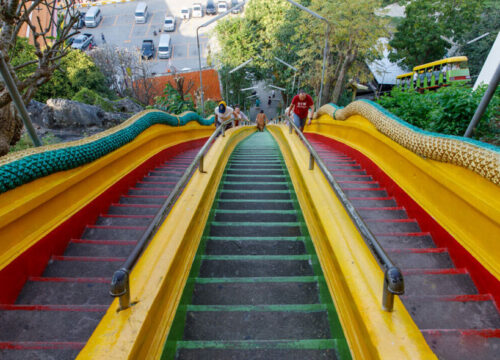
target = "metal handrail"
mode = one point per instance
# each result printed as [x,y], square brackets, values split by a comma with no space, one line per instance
[120,286]
[393,278]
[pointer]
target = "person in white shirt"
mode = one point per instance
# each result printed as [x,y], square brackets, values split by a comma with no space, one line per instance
[222,113]
[238,115]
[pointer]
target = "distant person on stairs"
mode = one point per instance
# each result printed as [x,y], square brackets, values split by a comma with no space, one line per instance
[300,106]
[261,121]
[238,115]
[222,113]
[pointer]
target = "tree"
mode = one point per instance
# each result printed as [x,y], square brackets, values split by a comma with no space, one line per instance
[429,28]
[477,52]
[126,73]
[354,38]
[77,70]
[48,34]
[172,102]
[277,29]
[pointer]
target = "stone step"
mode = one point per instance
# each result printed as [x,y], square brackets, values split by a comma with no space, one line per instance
[256,325]
[382,213]
[257,229]
[28,325]
[457,345]
[256,293]
[414,259]
[62,292]
[122,209]
[438,283]
[113,233]
[143,199]
[254,186]
[255,268]
[393,227]
[257,195]
[373,202]
[256,247]
[255,205]
[460,312]
[36,353]
[402,242]
[81,268]
[100,248]
[123,220]
[255,216]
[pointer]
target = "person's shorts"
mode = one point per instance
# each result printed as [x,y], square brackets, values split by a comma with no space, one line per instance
[298,121]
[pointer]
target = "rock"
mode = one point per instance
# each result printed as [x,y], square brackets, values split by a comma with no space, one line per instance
[62,113]
[127,105]
[35,109]
[111,119]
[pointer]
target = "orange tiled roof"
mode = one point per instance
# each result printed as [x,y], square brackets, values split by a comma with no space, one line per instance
[211,86]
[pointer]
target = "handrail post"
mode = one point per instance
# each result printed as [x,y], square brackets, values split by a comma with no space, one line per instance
[120,288]
[393,285]
[311,161]
[290,123]
[200,167]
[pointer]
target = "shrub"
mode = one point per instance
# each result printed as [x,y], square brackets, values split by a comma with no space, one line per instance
[26,143]
[91,97]
[448,110]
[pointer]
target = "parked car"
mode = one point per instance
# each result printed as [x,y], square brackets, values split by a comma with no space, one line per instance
[197,10]
[185,13]
[210,8]
[82,41]
[169,23]
[233,4]
[93,17]
[221,7]
[147,50]
[80,23]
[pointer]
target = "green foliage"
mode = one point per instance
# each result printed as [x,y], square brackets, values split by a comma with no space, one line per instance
[171,101]
[26,143]
[478,51]
[448,110]
[23,52]
[77,71]
[91,97]
[272,29]
[419,37]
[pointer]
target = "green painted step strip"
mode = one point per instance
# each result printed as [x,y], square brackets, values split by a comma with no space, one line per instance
[259,308]
[280,279]
[310,344]
[257,200]
[223,211]
[257,257]
[255,183]
[255,191]
[256,238]
[241,161]
[246,176]
[270,224]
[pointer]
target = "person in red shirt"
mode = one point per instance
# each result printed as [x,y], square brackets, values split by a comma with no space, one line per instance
[300,106]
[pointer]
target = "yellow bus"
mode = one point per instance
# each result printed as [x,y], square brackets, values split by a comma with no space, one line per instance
[441,73]
[405,81]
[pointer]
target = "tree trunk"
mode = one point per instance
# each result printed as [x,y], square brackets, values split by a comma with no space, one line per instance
[10,128]
[348,61]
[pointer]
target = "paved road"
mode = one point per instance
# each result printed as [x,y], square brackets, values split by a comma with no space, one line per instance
[119,28]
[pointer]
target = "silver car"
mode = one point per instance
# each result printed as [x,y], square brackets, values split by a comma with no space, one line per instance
[169,23]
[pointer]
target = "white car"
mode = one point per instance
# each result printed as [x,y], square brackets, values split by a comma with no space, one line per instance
[185,13]
[221,7]
[169,23]
[197,10]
